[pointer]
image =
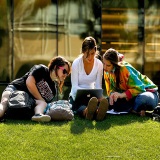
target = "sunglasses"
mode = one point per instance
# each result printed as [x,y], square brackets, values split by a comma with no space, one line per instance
[64,70]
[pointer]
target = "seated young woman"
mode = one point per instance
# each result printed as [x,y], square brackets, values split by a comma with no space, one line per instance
[41,83]
[127,88]
[87,72]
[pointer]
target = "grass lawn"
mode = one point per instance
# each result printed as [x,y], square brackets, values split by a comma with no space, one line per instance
[125,137]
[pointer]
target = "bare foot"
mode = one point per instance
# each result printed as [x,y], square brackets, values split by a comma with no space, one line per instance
[142,113]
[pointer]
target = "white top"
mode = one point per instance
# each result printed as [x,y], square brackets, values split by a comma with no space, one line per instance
[79,78]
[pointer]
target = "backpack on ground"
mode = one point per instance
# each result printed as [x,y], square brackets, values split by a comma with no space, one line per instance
[60,110]
[156,113]
[20,105]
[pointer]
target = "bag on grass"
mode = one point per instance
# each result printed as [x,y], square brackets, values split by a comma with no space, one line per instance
[20,105]
[156,113]
[60,110]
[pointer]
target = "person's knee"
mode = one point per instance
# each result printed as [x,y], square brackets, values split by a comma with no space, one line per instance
[3,107]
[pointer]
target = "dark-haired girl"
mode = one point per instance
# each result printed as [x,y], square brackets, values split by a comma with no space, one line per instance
[127,88]
[40,82]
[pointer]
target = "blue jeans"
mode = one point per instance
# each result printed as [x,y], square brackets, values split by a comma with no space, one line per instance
[146,101]
[78,108]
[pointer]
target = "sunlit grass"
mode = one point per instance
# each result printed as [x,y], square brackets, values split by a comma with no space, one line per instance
[117,137]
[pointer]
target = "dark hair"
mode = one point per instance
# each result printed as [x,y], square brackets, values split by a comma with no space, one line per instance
[57,62]
[98,53]
[88,44]
[112,56]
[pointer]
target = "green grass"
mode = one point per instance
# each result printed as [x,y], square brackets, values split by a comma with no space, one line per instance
[125,137]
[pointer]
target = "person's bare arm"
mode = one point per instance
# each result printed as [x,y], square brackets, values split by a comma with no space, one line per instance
[31,85]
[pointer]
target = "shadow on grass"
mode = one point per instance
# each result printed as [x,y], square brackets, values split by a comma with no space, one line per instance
[30,122]
[79,125]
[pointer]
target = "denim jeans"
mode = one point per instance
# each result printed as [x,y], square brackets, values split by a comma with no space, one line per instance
[146,101]
[77,108]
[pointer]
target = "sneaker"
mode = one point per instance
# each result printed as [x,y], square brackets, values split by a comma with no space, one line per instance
[102,109]
[91,108]
[41,118]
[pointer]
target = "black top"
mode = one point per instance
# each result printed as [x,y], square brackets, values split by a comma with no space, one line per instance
[45,85]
